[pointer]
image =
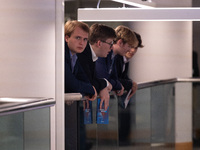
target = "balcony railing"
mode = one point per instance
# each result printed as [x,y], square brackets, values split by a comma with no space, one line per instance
[25,123]
[162,114]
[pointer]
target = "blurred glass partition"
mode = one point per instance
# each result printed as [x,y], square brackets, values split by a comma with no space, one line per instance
[150,114]
[107,134]
[161,115]
[25,123]
[37,129]
[196,114]
[26,131]
[147,122]
[11,132]
[100,136]
[134,121]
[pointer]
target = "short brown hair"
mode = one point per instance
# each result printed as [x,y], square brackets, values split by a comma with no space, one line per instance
[72,24]
[126,35]
[139,40]
[100,32]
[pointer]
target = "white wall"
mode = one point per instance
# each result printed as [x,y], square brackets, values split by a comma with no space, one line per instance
[27,47]
[167,52]
[173,3]
[32,60]
[183,113]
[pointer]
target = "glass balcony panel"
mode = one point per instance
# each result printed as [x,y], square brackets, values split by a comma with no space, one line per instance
[107,134]
[11,132]
[162,115]
[28,130]
[139,112]
[196,114]
[100,136]
[153,119]
[37,129]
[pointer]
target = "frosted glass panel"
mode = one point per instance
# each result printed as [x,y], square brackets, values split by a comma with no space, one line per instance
[11,132]
[26,131]
[37,129]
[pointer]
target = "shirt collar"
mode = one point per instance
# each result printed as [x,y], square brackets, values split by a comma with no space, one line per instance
[94,56]
[73,57]
[113,55]
[125,59]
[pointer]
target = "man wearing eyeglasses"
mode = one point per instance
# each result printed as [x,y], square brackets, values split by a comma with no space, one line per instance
[100,44]
[106,67]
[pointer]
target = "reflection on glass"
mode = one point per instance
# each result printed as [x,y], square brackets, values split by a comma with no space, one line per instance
[100,136]
[28,130]
[149,120]
[11,132]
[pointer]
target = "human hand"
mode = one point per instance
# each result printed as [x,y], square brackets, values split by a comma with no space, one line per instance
[105,97]
[120,92]
[93,97]
[134,89]
[109,87]
[69,102]
[85,104]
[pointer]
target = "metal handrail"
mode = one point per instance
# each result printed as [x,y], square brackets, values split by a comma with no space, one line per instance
[166,81]
[11,105]
[141,85]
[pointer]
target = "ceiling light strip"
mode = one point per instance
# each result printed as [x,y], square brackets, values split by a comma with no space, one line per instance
[132,3]
[138,14]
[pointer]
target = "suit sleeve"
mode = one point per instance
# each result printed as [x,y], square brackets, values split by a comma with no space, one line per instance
[78,83]
[123,76]
[89,67]
[103,72]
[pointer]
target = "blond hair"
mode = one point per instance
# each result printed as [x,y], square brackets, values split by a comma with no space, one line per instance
[72,24]
[126,35]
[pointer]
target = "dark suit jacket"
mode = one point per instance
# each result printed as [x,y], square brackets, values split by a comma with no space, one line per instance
[85,59]
[76,82]
[105,69]
[123,75]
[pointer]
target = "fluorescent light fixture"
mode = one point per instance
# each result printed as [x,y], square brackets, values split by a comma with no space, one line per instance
[138,14]
[128,2]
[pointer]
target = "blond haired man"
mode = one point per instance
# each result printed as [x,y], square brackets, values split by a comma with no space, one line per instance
[76,81]
[106,67]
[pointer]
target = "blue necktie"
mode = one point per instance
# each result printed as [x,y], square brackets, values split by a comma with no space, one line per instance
[73,62]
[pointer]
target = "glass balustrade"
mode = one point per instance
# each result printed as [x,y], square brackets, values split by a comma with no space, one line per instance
[28,130]
[25,123]
[101,136]
[163,115]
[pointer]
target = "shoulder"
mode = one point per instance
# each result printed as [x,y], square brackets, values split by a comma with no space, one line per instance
[86,53]
[119,57]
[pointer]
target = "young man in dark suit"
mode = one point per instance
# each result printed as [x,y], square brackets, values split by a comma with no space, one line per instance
[106,67]
[122,65]
[100,43]
[76,81]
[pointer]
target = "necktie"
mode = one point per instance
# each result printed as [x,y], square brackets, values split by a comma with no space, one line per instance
[73,62]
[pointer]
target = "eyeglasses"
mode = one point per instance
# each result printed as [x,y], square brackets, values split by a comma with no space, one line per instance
[111,44]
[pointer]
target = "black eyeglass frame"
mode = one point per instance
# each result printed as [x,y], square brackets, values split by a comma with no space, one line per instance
[111,44]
